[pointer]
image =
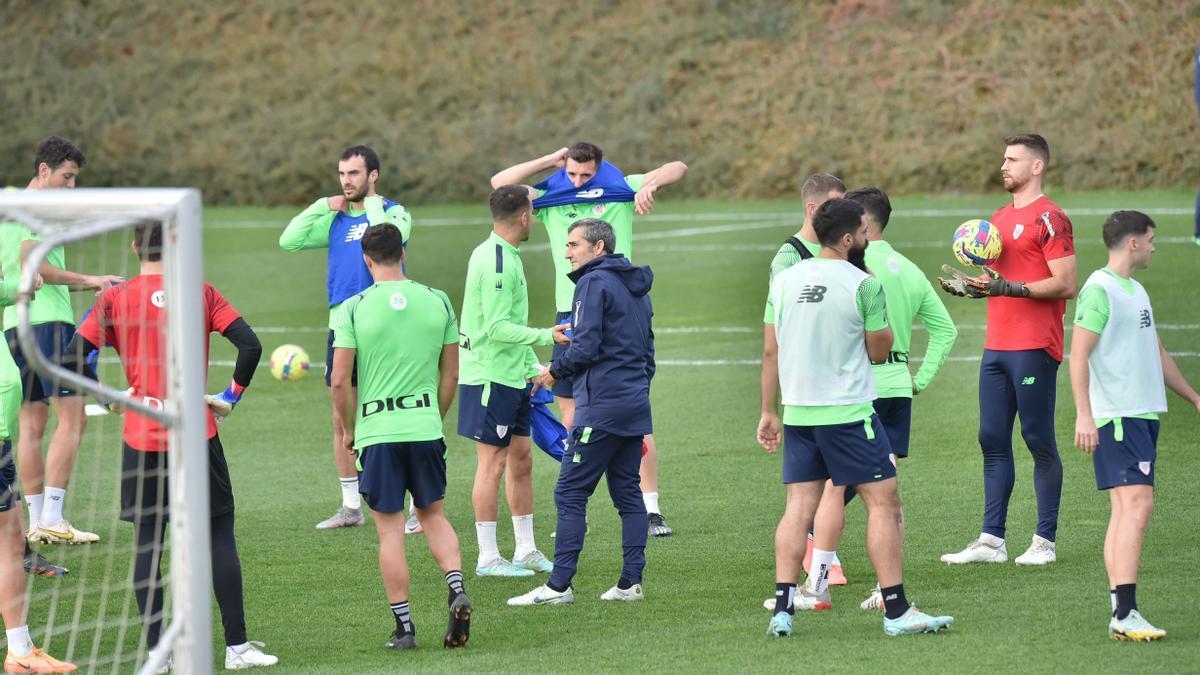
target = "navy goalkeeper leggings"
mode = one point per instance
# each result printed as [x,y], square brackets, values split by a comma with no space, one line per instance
[226,573]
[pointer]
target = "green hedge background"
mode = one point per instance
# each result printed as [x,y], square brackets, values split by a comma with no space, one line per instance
[252,100]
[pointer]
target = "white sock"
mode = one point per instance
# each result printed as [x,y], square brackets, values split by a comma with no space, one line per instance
[486,534]
[651,500]
[1112,595]
[19,643]
[350,497]
[412,507]
[52,507]
[35,509]
[991,540]
[239,649]
[836,560]
[523,533]
[821,562]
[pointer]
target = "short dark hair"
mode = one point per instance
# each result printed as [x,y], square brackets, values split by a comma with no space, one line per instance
[1034,142]
[585,152]
[835,218]
[874,201]
[1123,224]
[819,185]
[383,243]
[147,237]
[368,155]
[595,230]
[55,150]
[508,202]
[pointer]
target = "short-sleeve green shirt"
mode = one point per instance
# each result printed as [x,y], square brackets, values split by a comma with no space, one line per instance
[398,329]
[872,307]
[558,219]
[1092,312]
[785,257]
[52,302]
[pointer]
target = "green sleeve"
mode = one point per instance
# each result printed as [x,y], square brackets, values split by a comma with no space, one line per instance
[636,181]
[397,215]
[942,335]
[8,291]
[343,327]
[871,304]
[1091,309]
[310,229]
[531,362]
[451,335]
[401,218]
[769,312]
[497,301]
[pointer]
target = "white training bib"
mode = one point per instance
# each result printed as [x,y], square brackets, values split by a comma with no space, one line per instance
[1126,368]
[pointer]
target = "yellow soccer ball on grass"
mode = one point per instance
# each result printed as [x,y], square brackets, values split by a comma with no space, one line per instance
[289,362]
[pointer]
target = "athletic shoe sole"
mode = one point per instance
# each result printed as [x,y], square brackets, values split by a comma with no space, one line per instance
[458,631]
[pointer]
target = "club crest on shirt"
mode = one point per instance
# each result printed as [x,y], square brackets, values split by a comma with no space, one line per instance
[599,209]
[398,301]
[1017,232]
[158,299]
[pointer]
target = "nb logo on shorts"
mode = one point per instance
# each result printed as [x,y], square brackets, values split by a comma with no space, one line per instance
[1144,318]
[812,293]
[1029,380]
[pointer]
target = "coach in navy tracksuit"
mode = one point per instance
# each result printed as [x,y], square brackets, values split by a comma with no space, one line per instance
[611,358]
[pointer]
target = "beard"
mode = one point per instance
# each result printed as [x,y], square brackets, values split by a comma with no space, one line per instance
[355,194]
[1012,184]
[858,257]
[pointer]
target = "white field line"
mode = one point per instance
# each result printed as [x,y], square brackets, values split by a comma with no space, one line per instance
[723,216]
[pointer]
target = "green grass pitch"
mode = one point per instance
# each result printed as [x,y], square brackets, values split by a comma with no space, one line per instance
[316,597]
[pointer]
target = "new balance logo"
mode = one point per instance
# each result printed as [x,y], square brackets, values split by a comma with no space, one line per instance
[402,402]
[594,193]
[1144,318]
[812,293]
[356,233]
[1029,380]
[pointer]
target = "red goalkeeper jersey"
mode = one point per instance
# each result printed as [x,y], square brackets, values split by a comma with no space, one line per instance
[1033,236]
[132,318]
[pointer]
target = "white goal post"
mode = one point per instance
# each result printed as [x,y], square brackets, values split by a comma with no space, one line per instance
[65,216]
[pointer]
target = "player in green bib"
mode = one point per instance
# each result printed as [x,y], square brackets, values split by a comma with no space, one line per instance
[1118,369]
[586,186]
[57,164]
[910,297]
[494,408]
[405,339]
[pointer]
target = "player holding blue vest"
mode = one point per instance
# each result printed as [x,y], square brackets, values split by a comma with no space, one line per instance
[585,185]
[1118,368]
[338,223]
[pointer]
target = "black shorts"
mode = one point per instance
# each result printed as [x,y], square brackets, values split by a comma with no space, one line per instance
[52,340]
[391,469]
[896,416]
[9,495]
[564,388]
[493,413]
[1126,454]
[329,364]
[144,493]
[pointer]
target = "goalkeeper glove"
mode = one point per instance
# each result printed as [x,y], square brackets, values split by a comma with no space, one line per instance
[223,403]
[989,284]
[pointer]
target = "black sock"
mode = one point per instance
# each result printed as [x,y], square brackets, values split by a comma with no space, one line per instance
[894,602]
[555,588]
[28,550]
[454,579]
[404,624]
[785,594]
[624,584]
[1126,600]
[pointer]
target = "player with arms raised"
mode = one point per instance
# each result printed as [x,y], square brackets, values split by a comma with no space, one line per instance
[1027,290]
[587,186]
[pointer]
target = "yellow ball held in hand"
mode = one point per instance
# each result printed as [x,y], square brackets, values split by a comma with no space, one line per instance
[289,362]
[977,243]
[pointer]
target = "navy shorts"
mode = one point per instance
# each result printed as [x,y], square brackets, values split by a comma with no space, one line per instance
[391,469]
[1128,460]
[564,388]
[9,496]
[896,416]
[329,364]
[492,413]
[848,454]
[52,340]
[144,485]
